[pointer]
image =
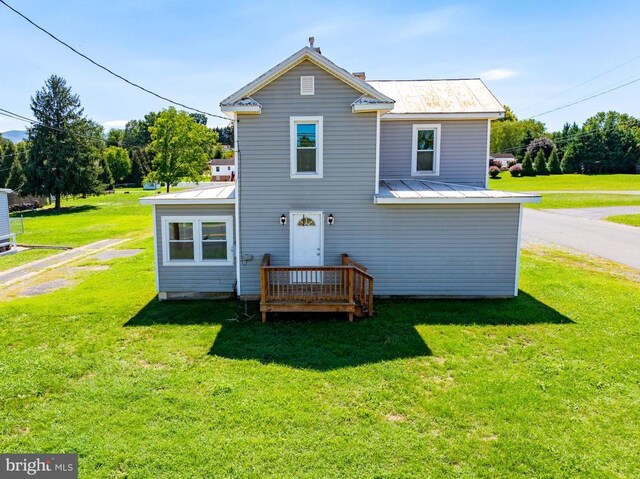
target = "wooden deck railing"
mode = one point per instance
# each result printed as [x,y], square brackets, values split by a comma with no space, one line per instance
[347,288]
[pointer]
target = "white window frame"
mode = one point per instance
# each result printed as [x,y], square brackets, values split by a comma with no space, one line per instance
[310,78]
[436,149]
[197,239]
[293,156]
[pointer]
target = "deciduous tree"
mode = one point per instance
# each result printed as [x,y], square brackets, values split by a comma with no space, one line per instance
[182,147]
[119,163]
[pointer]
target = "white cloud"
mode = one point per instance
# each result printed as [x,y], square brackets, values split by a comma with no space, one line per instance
[108,125]
[497,74]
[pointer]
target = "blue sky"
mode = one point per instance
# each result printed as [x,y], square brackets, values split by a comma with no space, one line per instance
[199,52]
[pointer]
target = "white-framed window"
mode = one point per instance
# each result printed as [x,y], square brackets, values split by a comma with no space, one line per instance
[425,150]
[217,169]
[197,240]
[307,85]
[306,146]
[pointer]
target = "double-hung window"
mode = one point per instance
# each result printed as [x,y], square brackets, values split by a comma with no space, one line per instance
[425,151]
[306,146]
[197,240]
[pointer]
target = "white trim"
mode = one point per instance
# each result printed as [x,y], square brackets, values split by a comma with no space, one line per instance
[454,201]
[293,121]
[310,85]
[197,240]
[155,247]
[486,165]
[6,190]
[436,149]
[377,185]
[319,60]
[363,108]
[236,147]
[291,224]
[515,288]
[442,116]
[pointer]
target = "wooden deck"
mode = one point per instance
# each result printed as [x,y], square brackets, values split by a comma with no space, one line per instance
[347,288]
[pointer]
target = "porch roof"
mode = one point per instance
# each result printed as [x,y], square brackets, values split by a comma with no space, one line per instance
[412,191]
[218,195]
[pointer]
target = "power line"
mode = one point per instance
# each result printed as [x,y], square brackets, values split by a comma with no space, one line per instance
[111,72]
[580,84]
[583,99]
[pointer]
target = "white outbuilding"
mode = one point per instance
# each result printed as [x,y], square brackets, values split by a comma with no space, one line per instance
[7,239]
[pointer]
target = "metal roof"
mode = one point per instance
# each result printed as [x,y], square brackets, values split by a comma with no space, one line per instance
[439,96]
[224,194]
[222,162]
[423,191]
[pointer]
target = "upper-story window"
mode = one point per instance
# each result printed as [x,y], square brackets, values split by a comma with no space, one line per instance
[425,159]
[306,147]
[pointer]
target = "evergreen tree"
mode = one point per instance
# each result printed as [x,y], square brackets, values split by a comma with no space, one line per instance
[554,163]
[540,164]
[527,165]
[570,162]
[65,145]
[105,177]
[16,179]
[217,152]
[7,154]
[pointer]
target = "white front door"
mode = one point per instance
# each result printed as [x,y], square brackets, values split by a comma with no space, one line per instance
[306,239]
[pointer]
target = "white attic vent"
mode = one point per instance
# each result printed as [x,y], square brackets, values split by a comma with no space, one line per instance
[307,85]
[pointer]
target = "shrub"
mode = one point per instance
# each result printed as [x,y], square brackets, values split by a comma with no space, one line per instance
[527,165]
[510,163]
[554,163]
[540,164]
[494,171]
[516,170]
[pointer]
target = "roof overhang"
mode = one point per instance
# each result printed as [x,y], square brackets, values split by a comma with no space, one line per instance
[444,116]
[245,105]
[314,57]
[153,200]
[455,201]
[5,190]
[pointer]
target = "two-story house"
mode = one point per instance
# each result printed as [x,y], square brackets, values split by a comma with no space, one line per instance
[392,173]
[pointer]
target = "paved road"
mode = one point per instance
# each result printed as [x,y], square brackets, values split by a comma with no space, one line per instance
[580,229]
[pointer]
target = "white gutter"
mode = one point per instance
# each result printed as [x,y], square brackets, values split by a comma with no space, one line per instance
[456,201]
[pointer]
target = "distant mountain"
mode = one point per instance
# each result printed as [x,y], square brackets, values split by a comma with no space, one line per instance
[14,135]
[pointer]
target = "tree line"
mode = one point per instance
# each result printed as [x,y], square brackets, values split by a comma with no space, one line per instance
[67,153]
[608,142]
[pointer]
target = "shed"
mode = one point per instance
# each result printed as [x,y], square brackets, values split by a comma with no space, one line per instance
[7,239]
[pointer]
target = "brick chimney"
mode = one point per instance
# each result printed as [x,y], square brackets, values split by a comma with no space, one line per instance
[360,75]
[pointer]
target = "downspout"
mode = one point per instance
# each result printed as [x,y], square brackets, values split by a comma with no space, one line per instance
[236,147]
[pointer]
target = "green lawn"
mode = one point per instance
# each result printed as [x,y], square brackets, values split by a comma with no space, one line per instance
[80,221]
[545,385]
[566,182]
[631,220]
[580,200]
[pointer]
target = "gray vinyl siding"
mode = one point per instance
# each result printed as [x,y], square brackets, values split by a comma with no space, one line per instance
[463,150]
[410,250]
[198,279]
[4,215]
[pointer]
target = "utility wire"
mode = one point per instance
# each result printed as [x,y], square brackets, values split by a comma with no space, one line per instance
[580,84]
[567,105]
[111,72]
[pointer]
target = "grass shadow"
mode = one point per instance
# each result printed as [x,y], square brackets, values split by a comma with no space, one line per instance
[68,210]
[326,342]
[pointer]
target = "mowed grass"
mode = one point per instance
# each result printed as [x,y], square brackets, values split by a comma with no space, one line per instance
[631,220]
[580,200]
[545,385]
[573,182]
[79,222]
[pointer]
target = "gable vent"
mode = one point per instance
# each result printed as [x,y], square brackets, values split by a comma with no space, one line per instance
[307,85]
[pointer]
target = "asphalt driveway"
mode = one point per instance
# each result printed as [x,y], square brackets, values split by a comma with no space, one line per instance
[583,230]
